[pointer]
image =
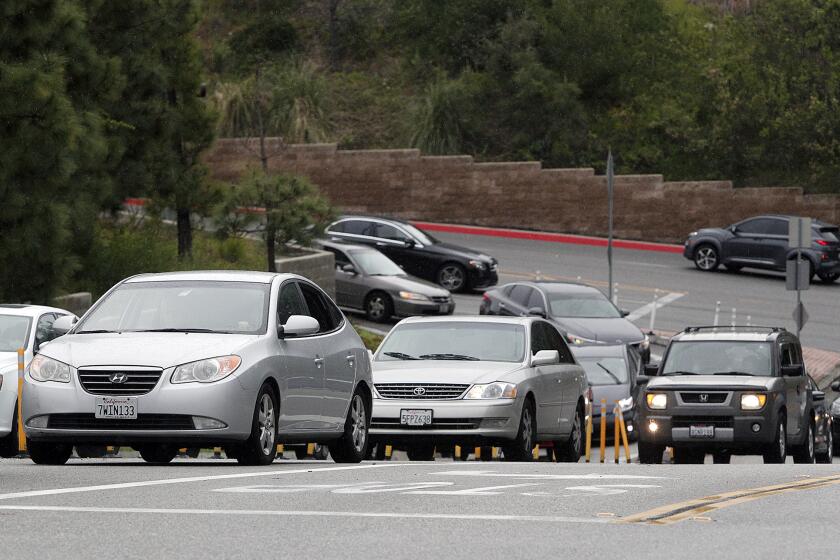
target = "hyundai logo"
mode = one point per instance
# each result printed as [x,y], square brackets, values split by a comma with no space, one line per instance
[704,397]
[419,391]
[118,377]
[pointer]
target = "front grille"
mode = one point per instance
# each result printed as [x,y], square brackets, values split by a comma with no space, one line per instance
[439,424]
[139,382]
[716,421]
[425,391]
[440,299]
[87,421]
[696,398]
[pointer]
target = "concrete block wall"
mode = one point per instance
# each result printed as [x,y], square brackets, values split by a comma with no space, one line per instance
[455,189]
[318,266]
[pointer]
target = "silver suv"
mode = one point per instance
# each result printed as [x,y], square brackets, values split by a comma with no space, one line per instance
[728,391]
[243,360]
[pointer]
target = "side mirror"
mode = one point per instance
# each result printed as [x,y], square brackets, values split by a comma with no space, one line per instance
[818,396]
[624,312]
[545,358]
[348,269]
[537,312]
[410,243]
[642,379]
[650,370]
[733,229]
[298,325]
[63,324]
[793,371]
[835,386]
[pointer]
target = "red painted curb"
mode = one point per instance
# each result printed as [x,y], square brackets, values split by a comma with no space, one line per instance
[552,237]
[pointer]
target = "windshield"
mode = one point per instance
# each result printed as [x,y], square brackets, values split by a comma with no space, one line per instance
[374,263]
[202,306]
[719,357]
[591,306]
[419,235]
[14,332]
[492,342]
[605,371]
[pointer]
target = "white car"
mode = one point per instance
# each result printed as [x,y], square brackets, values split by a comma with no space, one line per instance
[27,327]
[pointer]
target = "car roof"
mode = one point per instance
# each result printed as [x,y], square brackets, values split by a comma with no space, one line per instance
[472,319]
[814,221]
[342,246]
[738,334]
[369,217]
[558,286]
[210,276]
[26,310]
[599,350]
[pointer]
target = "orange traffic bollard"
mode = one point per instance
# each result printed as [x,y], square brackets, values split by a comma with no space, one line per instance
[588,431]
[21,433]
[603,430]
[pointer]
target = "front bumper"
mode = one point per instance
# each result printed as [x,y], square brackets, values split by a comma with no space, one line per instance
[483,278]
[410,308]
[733,428]
[456,421]
[164,414]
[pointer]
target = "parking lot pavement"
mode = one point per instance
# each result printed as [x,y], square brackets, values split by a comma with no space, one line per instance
[413,510]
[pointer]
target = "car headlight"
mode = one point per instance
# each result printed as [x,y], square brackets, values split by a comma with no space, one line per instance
[414,296]
[497,390]
[206,371]
[626,404]
[835,407]
[753,401]
[645,344]
[579,340]
[478,265]
[692,234]
[43,368]
[657,401]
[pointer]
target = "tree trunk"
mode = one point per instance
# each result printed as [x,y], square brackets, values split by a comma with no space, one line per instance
[270,232]
[184,233]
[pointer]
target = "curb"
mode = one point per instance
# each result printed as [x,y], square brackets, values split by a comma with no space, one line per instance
[551,237]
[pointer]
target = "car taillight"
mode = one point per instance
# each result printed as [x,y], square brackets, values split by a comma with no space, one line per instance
[822,242]
[485,298]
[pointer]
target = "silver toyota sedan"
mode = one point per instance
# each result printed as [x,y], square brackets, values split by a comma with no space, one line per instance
[243,360]
[505,381]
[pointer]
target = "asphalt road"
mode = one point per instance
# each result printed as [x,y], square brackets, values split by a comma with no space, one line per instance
[689,296]
[194,509]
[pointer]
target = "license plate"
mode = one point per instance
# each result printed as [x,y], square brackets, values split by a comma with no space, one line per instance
[444,308]
[415,417]
[701,431]
[124,408]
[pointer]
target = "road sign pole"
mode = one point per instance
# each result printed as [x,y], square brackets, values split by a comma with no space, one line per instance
[798,296]
[610,173]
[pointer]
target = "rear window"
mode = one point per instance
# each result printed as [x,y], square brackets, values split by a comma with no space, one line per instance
[829,234]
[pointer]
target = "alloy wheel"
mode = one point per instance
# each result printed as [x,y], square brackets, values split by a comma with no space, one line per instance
[527,430]
[376,307]
[451,277]
[811,443]
[830,453]
[782,443]
[577,434]
[266,424]
[706,258]
[358,423]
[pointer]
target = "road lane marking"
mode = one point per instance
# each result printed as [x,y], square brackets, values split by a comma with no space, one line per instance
[680,511]
[281,513]
[660,303]
[483,491]
[160,482]
[526,476]
[601,283]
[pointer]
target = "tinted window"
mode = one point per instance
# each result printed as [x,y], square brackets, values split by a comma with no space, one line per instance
[757,226]
[536,300]
[14,332]
[520,294]
[539,338]
[778,227]
[492,342]
[320,308]
[290,302]
[340,258]
[790,355]
[829,234]
[556,342]
[358,227]
[384,231]
[43,331]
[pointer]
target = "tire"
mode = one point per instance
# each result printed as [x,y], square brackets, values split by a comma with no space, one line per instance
[322,452]
[379,307]
[684,456]
[722,458]
[571,450]
[452,276]
[9,443]
[828,277]
[159,454]
[706,257]
[91,451]
[828,456]
[46,453]
[421,452]
[804,453]
[776,452]
[522,448]
[261,446]
[650,453]
[353,444]
[193,452]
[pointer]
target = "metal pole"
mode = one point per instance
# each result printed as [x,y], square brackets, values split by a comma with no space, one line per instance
[610,172]
[798,292]
[653,310]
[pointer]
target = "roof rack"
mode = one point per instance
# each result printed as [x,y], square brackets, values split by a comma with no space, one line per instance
[734,328]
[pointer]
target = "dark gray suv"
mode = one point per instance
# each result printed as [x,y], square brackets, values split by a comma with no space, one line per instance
[725,391]
[762,242]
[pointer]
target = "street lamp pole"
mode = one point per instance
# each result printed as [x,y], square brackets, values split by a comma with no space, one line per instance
[610,173]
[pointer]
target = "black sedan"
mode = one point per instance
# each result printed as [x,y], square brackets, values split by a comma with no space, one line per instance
[762,242]
[418,253]
[582,313]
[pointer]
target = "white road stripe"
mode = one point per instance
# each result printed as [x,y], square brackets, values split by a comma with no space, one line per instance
[387,515]
[526,476]
[138,484]
[660,303]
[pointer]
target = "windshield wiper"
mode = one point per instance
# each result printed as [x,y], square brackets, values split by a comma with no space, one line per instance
[448,357]
[611,374]
[681,373]
[400,356]
[733,373]
[183,330]
[96,331]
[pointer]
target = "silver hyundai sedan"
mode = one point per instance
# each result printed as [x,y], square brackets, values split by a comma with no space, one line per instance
[505,381]
[243,360]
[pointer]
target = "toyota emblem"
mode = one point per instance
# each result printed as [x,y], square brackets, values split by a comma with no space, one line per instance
[419,391]
[118,377]
[704,397]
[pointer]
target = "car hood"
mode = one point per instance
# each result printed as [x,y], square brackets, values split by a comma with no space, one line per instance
[442,371]
[463,252]
[161,350]
[710,382]
[615,330]
[611,393]
[409,284]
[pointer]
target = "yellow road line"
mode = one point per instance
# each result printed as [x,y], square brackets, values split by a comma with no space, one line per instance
[681,511]
[601,283]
